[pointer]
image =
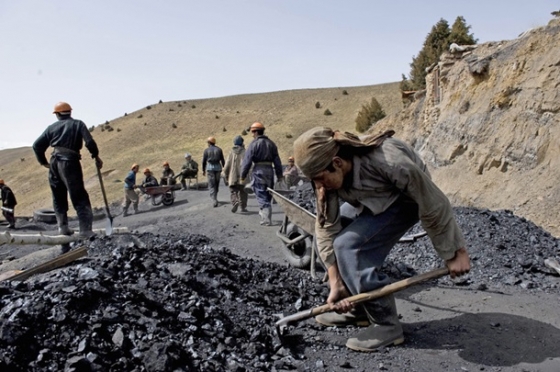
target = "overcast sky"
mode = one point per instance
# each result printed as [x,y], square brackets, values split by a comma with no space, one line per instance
[106,58]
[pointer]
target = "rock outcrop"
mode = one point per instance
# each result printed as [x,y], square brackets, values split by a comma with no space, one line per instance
[488,124]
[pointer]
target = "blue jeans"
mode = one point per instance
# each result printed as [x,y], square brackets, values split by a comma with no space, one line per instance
[362,246]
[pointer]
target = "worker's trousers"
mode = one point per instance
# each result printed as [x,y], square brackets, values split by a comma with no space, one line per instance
[213,183]
[66,178]
[362,246]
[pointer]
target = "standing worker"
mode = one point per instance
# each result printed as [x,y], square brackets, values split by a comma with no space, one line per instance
[390,188]
[232,175]
[212,163]
[130,195]
[188,170]
[263,154]
[9,203]
[65,171]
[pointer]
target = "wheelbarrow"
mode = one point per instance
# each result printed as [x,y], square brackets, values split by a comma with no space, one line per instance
[297,233]
[161,194]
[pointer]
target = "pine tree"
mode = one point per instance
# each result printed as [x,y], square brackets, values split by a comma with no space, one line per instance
[369,114]
[460,33]
[438,41]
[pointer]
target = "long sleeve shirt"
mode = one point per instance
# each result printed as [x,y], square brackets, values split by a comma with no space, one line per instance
[378,179]
[261,150]
[67,133]
[130,181]
[213,159]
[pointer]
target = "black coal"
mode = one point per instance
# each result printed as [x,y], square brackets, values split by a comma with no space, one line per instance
[159,303]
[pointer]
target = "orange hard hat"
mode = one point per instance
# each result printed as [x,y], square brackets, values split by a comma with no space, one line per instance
[62,107]
[1,181]
[211,140]
[134,166]
[257,126]
[166,164]
[147,170]
[291,159]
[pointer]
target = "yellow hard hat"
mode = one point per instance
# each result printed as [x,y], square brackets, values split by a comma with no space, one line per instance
[211,140]
[62,107]
[134,166]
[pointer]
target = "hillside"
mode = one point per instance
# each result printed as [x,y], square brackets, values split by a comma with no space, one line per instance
[165,131]
[489,125]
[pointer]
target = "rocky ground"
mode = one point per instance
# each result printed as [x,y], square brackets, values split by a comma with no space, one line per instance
[200,288]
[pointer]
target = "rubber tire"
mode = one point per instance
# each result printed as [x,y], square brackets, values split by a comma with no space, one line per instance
[299,255]
[44,215]
[167,199]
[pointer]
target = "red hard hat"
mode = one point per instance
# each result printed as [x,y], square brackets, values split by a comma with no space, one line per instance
[62,107]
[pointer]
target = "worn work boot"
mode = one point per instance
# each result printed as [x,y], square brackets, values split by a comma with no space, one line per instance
[357,317]
[385,328]
[62,220]
[235,206]
[262,215]
[267,216]
[86,231]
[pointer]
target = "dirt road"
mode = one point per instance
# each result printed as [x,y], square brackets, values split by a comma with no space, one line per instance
[447,327]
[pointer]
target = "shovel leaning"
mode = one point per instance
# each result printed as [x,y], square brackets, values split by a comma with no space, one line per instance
[283,323]
[109,227]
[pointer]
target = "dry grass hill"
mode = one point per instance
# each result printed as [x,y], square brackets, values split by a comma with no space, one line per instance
[165,131]
[488,126]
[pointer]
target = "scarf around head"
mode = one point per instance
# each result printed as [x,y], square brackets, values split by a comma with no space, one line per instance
[315,149]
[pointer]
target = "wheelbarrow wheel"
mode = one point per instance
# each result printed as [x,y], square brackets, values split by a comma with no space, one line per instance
[299,254]
[167,199]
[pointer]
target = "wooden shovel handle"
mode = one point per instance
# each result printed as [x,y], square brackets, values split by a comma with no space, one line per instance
[386,290]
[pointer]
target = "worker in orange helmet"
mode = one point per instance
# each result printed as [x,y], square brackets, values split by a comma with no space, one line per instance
[67,136]
[167,176]
[262,154]
[212,163]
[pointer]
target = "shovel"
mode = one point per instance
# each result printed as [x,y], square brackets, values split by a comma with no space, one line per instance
[282,324]
[109,227]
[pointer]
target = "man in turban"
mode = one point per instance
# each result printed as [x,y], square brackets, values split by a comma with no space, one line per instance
[387,189]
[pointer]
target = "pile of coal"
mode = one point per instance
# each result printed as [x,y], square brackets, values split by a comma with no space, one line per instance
[152,303]
[505,250]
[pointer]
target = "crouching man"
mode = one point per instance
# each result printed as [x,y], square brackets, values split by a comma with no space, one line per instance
[390,189]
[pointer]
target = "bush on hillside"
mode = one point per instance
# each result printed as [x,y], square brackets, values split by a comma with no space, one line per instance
[193,106]
[174,125]
[327,112]
[243,132]
[317,104]
[344,92]
[370,114]
[140,116]
[92,128]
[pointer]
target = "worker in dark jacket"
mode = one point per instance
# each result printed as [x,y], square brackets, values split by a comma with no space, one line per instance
[167,175]
[9,203]
[212,163]
[149,179]
[67,136]
[262,153]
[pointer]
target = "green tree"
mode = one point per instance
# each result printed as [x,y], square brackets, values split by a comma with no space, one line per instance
[369,114]
[460,33]
[438,41]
